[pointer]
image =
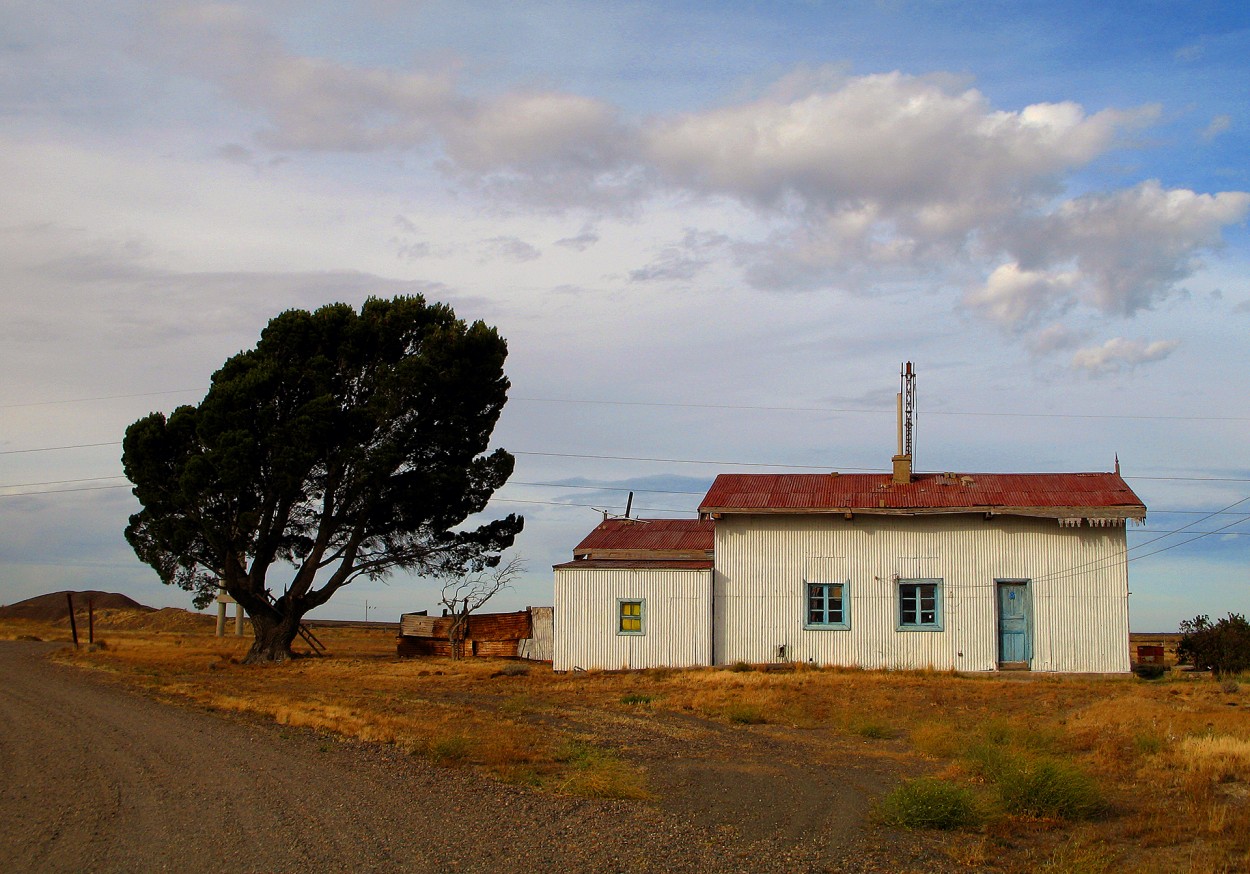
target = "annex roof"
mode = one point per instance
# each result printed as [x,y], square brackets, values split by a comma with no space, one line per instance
[647,539]
[1057,495]
[665,564]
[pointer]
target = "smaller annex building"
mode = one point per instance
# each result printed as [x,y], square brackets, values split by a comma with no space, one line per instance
[638,593]
[973,572]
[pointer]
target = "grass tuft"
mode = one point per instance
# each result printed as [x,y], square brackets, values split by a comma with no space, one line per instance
[1220,758]
[635,698]
[451,749]
[874,730]
[599,773]
[928,802]
[1051,789]
[745,714]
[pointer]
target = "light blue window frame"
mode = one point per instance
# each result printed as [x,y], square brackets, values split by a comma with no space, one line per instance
[622,617]
[827,605]
[918,604]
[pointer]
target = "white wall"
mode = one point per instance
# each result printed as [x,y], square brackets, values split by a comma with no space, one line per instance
[678,621]
[1078,589]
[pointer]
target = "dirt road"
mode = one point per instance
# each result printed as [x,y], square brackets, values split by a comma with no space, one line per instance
[93,777]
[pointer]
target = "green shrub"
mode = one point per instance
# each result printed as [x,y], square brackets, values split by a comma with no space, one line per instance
[635,698]
[1047,788]
[995,763]
[1222,647]
[929,803]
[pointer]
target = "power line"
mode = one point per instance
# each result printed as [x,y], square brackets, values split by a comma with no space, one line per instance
[59,448]
[880,410]
[146,394]
[65,491]
[1184,542]
[693,461]
[57,482]
[1100,563]
[733,407]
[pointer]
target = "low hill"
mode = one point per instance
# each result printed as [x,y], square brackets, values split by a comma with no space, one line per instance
[54,606]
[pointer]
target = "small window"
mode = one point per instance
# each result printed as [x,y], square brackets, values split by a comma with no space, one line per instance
[920,605]
[826,605]
[630,616]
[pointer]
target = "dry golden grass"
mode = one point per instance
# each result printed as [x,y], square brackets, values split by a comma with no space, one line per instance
[1171,757]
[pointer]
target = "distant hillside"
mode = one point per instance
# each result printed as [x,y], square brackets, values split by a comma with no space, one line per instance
[53,606]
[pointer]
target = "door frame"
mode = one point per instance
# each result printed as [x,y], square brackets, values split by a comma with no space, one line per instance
[1025,586]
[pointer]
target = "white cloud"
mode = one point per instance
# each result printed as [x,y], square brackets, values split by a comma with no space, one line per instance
[1055,337]
[683,261]
[933,160]
[1119,354]
[1132,247]
[509,249]
[1219,124]
[1014,297]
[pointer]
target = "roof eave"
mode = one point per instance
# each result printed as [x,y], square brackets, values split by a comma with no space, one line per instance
[1128,512]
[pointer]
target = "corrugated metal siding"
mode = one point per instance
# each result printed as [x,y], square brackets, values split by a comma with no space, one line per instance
[678,618]
[1079,619]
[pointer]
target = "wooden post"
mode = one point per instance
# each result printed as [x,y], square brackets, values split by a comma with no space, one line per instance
[91,620]
[73,626]
[221,612]
[238,618]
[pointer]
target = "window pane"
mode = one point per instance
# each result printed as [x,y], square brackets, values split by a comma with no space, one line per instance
[907,605]
[630,616]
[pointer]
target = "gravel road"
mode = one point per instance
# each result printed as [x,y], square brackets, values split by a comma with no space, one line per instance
[96,778]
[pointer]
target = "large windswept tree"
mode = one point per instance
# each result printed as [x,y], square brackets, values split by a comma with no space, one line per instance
[344,445]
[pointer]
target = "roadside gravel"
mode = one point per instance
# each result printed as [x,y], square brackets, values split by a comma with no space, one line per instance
[94,777]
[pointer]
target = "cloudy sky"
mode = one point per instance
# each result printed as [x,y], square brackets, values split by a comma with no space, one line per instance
[710,232]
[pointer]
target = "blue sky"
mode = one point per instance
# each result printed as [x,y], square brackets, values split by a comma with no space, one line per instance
[710,232]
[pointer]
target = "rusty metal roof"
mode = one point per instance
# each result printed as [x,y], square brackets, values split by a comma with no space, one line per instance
[1042,494]
[690,538]
[678,564]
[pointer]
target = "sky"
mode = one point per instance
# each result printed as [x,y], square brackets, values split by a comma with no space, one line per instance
[710,232]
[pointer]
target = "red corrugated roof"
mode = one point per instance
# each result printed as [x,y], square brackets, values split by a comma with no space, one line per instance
[692,536]
[677,564]
[1106,493]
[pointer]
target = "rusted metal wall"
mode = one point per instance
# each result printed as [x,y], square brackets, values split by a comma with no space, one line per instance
[487,634]
[538,646]
[1077,590]
[677,621]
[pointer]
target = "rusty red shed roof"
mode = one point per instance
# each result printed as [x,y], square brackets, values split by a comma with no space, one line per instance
[1030,494]
[667,564]
[670,538]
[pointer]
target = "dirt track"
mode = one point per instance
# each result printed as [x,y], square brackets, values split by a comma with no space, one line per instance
[93,777]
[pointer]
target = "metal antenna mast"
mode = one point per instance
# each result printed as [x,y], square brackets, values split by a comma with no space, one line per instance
[907,387]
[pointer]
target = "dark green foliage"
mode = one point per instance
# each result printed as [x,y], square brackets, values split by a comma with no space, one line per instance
[928,802]
[344,444]
[1222,647]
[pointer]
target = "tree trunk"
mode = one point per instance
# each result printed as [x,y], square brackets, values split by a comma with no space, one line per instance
[274,634]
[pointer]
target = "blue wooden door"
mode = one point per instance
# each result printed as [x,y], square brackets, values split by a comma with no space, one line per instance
[1013,623]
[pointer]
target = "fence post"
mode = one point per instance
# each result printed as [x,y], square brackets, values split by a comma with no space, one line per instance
[73,626]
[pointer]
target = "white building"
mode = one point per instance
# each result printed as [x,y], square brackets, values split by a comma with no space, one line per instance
[973,572]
